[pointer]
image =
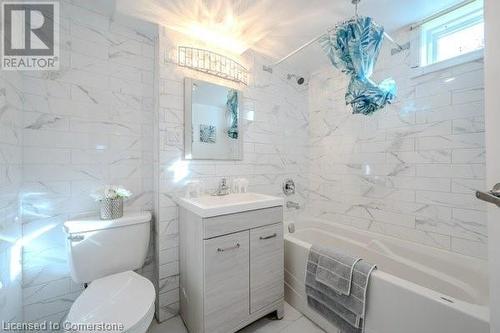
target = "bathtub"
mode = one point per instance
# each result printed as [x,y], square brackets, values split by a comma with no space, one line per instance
[416,288]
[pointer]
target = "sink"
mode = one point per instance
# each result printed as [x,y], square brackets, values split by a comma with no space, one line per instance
[208,206]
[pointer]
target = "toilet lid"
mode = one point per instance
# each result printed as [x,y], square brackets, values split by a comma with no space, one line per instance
[123,298]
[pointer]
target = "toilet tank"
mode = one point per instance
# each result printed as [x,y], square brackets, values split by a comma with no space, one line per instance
[97,248]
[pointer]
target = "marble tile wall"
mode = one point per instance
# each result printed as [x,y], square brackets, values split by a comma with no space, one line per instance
[275,142]
[11,122]
[409,170]
[86,125]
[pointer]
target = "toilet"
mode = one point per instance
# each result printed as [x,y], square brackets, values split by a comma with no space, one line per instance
[104,255]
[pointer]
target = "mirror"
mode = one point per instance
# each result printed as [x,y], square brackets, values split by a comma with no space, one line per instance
[212,121]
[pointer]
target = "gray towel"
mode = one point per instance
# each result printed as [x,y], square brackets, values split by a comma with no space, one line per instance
[347,312]
[335,270]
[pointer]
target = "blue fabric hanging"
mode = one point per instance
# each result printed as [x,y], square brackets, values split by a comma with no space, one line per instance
[354,48]
[232,107]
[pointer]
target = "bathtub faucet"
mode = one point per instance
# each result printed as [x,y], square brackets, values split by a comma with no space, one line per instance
[291,204]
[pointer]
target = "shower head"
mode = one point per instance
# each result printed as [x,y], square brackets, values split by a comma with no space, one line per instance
[300,79]
[356,3]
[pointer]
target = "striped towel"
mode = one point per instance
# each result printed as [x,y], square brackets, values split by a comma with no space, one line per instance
[336,286]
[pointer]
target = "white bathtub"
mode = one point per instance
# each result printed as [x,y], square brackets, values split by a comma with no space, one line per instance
[416,289]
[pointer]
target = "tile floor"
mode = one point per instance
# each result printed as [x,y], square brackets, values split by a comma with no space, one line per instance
[293,322]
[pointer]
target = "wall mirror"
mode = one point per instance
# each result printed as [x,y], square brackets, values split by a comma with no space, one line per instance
[212,127]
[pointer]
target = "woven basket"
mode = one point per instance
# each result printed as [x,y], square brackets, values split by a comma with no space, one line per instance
[111,209]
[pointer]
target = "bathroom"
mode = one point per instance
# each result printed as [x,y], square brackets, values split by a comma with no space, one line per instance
[142,141]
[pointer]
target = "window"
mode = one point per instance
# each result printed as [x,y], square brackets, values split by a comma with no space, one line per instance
[450,35]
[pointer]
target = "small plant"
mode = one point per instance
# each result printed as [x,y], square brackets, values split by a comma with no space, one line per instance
[111,192]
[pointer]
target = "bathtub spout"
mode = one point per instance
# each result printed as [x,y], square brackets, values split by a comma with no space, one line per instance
[291,204]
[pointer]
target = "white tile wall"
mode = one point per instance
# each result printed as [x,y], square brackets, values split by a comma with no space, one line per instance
[88,124]
[409,170]
[11,122]
[275,148]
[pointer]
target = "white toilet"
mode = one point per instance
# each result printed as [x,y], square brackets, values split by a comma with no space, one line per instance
[104,254]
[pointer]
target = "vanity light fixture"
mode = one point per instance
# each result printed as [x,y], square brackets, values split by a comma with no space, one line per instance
[212,63]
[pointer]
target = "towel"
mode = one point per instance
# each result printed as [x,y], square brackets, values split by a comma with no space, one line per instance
[344,304]
[335,269]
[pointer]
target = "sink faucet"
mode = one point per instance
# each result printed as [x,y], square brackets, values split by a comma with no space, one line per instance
[223,188]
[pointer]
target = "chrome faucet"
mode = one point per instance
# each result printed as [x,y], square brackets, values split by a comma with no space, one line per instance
[292,204]
[223,188]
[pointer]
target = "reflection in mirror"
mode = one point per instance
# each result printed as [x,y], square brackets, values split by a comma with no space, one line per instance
[212,121]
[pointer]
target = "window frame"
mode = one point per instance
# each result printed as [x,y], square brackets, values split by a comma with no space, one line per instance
[445,25]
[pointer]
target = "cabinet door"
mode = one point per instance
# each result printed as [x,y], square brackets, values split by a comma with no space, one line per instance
[226,300]
[266,266]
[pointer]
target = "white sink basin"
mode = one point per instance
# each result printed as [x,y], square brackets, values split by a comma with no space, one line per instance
[208,206]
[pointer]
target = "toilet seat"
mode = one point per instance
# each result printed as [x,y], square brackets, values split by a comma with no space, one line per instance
[124,300]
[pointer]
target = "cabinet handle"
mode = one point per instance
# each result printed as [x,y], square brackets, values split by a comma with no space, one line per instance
[268,237]
[237,246]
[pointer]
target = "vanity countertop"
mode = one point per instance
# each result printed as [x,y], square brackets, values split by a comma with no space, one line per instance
[209,206]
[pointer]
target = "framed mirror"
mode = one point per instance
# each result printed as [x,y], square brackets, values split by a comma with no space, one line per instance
[212,128]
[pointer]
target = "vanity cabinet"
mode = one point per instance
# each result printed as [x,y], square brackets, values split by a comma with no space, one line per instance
[266,266]
[226,276]
[231,268]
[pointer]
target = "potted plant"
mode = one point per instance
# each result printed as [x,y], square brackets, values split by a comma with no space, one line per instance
[111,199]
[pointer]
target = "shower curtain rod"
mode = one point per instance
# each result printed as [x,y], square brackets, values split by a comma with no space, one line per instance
[269,68]
[441,13]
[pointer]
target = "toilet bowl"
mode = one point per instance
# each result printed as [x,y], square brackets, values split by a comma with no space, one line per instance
[124,302]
